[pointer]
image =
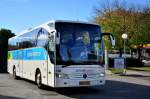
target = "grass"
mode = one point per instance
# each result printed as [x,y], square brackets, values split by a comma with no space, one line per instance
[115,71]
[144,68]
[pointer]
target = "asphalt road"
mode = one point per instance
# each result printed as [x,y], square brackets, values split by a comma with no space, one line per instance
[117,87]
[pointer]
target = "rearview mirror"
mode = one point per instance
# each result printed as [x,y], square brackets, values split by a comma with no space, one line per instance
[112,40]
[111,37]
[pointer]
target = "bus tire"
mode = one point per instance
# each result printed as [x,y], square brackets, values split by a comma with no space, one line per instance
[14,73]
[39,80]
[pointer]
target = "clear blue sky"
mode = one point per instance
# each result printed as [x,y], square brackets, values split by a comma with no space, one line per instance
[18,15]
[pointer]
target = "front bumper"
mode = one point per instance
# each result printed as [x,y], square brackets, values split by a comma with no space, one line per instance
[78,83]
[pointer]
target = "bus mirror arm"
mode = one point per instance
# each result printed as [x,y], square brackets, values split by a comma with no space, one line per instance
[52,32]
[111,37]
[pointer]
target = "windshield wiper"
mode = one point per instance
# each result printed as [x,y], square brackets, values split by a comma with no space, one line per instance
[65,66]
[68,63]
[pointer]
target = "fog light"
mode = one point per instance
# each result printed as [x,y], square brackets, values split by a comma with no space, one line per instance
[62,75]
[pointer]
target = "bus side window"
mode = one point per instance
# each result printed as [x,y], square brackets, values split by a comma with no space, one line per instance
[27,40]
[42,38]
[12,44]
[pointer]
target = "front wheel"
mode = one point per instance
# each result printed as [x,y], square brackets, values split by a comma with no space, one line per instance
[39,80]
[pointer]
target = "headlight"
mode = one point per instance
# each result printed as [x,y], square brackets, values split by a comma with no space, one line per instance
[62,75]
[102,74]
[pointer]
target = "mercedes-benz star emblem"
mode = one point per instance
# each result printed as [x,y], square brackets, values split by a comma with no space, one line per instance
[84,76]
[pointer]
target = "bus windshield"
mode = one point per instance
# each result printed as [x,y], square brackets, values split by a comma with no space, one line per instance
[79,44]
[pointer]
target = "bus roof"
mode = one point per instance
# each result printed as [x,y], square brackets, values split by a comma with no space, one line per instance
[75,22]
[52,21]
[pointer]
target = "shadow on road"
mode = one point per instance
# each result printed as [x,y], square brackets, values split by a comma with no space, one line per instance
[112,90]
[9,97]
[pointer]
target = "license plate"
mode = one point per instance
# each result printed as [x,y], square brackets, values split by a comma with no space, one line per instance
[84,83]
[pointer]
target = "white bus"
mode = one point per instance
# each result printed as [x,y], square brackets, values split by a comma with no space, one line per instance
[59,54]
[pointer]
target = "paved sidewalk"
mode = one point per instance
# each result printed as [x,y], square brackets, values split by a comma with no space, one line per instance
[138,73]
[132,72]
[130,78]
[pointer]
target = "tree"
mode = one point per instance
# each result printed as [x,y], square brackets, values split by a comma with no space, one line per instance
[5,34]
[117,18]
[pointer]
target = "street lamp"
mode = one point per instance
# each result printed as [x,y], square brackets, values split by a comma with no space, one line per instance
[124,37]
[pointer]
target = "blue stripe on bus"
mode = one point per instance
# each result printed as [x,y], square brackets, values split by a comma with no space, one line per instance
[30,54]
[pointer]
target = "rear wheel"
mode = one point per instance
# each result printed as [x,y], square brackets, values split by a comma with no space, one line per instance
[38,80]
[14,73]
